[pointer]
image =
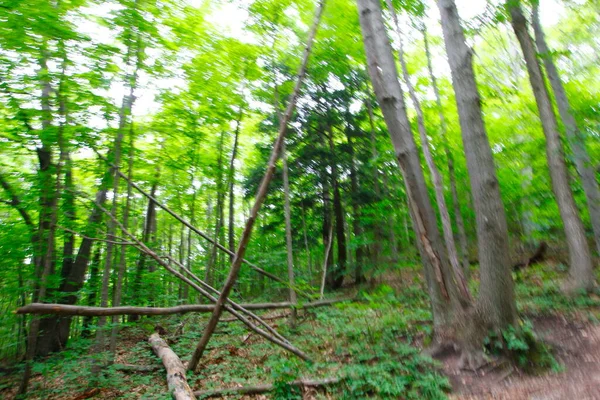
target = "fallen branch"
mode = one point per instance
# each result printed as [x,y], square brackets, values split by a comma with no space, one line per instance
[263,388]
[85,311]
[178,385]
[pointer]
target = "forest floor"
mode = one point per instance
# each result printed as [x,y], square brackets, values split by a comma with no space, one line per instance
[373,345]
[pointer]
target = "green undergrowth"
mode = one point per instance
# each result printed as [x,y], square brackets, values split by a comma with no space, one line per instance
[539,293]
[370,346]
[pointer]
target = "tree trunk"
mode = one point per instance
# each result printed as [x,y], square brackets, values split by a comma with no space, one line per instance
[288,233]
[460,226]
[356,214]
[574,136]
[444,293]
[337,275]
[580,269]
[496,302]
[260,196]
[213,262]
[176,380]
[377,231]
[436,177]
[93,290]
[117,294]
[231,184]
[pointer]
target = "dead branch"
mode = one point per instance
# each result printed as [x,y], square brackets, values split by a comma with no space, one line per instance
[65,309]
[197,231]
[259,199]
[259,389]
[178,385]
[274,339]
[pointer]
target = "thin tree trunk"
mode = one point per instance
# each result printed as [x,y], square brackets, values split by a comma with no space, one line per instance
[117,294]
[460,226]
[438,184]
[574,136]
[288,233]
[580,269]
[231,184]
[377,231]
[337,276]
[260,196]
[93,290]
[213,263]
[356,214]
[328,244]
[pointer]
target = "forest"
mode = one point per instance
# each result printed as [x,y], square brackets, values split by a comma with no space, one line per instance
[299,199]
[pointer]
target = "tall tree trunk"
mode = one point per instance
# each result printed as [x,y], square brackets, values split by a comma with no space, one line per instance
[377,231]
[580,269]
[356,214]
[122,265]
[438,184]
[444,293]
[288,233]
[460,225]
[50,190]
[574,136]
[337,275]
[213,262]
[86,330]
[231,184]
[327,219]
[496,303]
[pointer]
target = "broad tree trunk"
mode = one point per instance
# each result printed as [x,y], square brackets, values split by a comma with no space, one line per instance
[580,269]
[496,303]
[576,141]
[176,380]
[444,293]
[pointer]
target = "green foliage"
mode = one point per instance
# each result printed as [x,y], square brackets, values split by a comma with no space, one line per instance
[524,348]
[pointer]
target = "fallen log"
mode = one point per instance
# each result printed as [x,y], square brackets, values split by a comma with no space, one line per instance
[176,380]
[204,394]
[65,309]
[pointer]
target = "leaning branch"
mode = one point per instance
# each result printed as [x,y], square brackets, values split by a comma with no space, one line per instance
[259,199]
[196,230]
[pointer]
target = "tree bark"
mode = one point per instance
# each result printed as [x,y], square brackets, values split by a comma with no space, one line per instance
[357,231]
[231,184]
[580,268]
[576,141]
[176,380]
[496,303]
[336,278]
[288,233]
[460,225]
[444,293]
[260,196]
[259,389]
[436,177]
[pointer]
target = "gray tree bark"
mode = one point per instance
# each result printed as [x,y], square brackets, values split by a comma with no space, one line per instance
[460,225]
[496,303]
[580,268]
[576,141]
[443,291]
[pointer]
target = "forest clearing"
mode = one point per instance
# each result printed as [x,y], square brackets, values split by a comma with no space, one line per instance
[299,199]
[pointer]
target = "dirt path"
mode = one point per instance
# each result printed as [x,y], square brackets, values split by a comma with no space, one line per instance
[577,348]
